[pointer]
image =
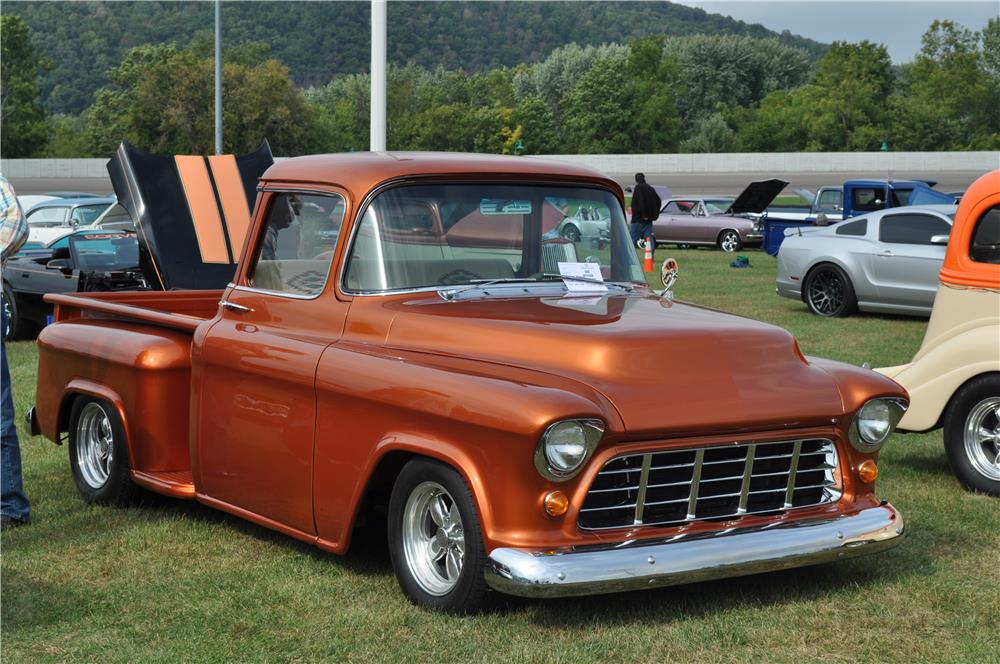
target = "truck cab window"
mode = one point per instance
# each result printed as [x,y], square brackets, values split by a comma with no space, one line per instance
[296,249]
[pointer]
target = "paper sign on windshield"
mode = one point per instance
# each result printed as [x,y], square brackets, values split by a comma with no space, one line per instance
[589,271]
[494,206]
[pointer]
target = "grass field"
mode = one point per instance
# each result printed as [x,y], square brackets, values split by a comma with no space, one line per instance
[175,581]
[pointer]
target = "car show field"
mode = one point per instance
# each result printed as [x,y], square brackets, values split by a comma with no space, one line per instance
[170,577]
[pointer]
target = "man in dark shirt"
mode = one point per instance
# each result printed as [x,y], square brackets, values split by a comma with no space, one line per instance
[646,206]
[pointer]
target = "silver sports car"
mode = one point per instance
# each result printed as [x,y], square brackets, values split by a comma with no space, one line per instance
[886,261]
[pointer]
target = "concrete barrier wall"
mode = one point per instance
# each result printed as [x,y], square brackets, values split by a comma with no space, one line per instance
[789,162]
[776,162]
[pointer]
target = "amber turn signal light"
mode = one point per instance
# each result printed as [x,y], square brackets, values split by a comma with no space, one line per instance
[867,471]
[556,503]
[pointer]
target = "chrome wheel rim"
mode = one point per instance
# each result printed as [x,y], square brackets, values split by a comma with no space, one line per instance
[826,292]
[982,438]
[8,317]
[730,241]
[433,538]
[94,446]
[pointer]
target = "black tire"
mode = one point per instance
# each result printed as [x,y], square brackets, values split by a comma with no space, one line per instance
[975,406]
[829,292]
[17,327]
[470,593]
[729,241]
[571,233]
[683,245]
[85,420]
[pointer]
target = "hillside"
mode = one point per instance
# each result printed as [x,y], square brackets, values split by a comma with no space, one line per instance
[320,39]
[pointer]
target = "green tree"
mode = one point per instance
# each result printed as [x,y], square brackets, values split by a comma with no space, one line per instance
[22,120]
[162,99]
[712,135]
[844,108]
[538,126]
[598,114]
[951,95]
[652,85]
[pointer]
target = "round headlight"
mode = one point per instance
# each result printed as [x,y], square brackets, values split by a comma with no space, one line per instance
[875,421]
[565,446]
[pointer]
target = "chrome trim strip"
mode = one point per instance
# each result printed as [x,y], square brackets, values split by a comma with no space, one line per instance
[792,469]
[640,501]
[747,476]
[699,459]
[638,564]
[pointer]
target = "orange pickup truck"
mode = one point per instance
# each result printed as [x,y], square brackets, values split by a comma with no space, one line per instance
[400,333]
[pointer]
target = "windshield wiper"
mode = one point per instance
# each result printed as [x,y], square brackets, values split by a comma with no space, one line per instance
[480,284]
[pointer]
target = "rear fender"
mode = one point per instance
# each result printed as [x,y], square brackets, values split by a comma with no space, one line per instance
[82,387]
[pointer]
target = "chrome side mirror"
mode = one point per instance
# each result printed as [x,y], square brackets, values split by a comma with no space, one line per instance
[939,239]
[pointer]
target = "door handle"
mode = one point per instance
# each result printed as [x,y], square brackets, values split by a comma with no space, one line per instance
[232,306]
[886,253]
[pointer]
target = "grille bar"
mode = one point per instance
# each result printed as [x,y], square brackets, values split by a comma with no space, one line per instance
[711,483]
[640,502]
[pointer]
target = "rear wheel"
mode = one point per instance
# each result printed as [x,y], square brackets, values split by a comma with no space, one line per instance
[972,434]
[435,540]
[829,292]
[98,455]
[729,241]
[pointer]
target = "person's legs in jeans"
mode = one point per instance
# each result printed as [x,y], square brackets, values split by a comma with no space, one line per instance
[14,503]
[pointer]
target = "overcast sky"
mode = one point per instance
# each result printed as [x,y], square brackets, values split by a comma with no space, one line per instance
[899,25]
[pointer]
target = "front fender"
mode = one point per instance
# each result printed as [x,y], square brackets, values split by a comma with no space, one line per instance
[940,370]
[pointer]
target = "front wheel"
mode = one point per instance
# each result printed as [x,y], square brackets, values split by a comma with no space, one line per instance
[729,241]
[972,434]
[98,455]
[435,540]
[829,293]
[571,233]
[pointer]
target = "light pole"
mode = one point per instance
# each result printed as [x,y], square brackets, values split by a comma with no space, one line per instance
[377,131]
[218,76]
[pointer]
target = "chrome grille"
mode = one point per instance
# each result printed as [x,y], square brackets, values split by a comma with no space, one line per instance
[705,483]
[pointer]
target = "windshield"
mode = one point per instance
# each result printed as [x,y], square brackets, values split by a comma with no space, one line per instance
[104,252]
[419,236]
[718,205]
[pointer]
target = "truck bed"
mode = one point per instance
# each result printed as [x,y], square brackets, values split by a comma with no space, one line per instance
[178,310]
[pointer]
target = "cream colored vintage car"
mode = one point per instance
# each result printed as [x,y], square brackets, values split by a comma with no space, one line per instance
[954,379]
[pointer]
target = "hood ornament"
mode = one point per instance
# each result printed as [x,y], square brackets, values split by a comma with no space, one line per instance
[669,273]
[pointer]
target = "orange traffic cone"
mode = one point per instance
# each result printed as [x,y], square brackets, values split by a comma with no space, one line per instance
[647,265]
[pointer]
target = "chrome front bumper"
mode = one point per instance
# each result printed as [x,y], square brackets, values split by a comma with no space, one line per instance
[635,565]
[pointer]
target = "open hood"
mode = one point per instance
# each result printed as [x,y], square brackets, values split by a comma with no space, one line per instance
[757,196]
[191,213]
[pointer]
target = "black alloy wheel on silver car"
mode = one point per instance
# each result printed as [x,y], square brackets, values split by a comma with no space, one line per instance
[972,434]
[435,540]
[98,455]
[571,233]
[829,293]
[729,241]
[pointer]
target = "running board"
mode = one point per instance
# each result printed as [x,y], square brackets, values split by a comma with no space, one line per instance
[176,483]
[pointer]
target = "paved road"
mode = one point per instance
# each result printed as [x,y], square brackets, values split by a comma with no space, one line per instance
[713,183]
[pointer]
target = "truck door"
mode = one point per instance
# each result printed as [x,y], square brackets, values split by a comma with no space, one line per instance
[254,371]
[906,264]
